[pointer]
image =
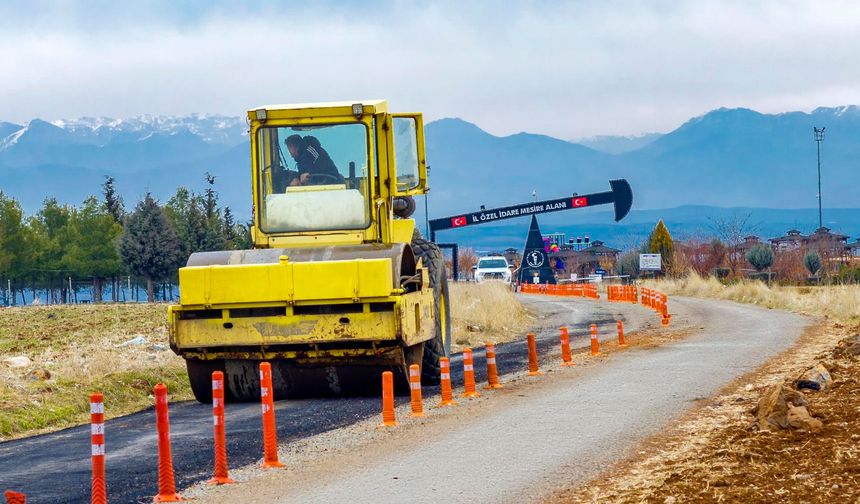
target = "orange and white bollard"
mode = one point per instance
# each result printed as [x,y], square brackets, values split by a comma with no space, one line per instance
[635,294]
[445,387]
[15,497]
[415,390]
[621,334]
[220,477]
[492,369]
[388,418]
[98,490]
[566,359]
[468,374]
[595,344]
[534,369]
[270,433]
[166,481]
[664,309]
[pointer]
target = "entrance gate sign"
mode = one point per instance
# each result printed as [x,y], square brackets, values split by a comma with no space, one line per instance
[620,195]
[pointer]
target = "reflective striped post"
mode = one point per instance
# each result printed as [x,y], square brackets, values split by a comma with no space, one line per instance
[97,441]
[220,477]
[468,374]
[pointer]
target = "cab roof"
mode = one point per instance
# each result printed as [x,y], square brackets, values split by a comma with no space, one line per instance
[376,105]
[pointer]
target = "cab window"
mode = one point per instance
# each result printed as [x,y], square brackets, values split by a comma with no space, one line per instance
[313,178]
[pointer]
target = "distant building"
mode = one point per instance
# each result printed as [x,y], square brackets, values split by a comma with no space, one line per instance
[559,239]
[585,261]
[853,249]
[793,240]
[827,243]
[513,256]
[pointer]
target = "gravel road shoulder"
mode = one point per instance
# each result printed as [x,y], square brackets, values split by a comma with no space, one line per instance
[521,443]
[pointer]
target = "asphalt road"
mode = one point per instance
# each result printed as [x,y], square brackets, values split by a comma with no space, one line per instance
[55,468]
[549,433]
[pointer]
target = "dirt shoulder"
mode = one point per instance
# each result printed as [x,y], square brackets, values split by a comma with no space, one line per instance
[714,454]
[52,357]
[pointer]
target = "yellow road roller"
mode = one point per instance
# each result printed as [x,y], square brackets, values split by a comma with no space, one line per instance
[339,286]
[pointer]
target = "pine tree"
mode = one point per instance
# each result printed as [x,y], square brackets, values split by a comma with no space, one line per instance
[113,201]
[16,244]
[92,251]
[149,245]
[229,226]
[51,234]
[660,242]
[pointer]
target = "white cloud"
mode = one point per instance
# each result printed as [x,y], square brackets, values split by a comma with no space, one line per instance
[569,70]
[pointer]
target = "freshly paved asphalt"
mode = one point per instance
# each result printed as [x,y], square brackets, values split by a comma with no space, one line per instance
[55,468]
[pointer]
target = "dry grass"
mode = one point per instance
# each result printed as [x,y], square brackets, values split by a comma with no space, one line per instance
[839,302]
[79,347]
[491,310]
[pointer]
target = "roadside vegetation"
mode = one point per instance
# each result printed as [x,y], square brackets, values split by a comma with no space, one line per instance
[98,250]
[52,357]
[486,311]
[838,302]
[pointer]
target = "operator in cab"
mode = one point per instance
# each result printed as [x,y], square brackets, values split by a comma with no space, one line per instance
[313,163]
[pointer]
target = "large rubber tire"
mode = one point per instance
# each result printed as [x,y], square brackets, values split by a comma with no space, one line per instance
[440,345]
[200,376]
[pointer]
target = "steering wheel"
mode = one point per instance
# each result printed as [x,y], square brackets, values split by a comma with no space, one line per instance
[326,177]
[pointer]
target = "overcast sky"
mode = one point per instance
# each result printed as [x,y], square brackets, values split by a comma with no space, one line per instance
[568,70]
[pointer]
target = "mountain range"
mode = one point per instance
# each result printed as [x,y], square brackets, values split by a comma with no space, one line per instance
[724,158]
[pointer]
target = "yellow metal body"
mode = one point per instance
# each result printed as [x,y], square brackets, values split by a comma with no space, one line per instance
[321,312]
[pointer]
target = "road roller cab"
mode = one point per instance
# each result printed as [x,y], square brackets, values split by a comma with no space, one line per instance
[338,287]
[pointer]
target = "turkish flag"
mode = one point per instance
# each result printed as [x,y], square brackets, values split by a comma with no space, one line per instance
[580,202]
[458,221]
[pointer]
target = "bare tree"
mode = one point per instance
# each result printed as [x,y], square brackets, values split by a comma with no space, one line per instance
[466,258]
[731,231]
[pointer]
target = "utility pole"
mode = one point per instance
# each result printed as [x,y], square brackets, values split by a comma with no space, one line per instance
[819,137]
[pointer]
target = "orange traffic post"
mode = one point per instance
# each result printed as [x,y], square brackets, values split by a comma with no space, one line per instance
[166,482]
[635,296]
[388,418]
[621,334]
[468,374]
[15,497]
[270,433]
[492,370]
[595,345]
[566,359]
[220,477]
[445,388]
[534,370]
[98,489]
[415,390]
[664,309]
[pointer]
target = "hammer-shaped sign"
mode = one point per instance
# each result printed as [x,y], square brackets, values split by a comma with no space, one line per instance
[621,196]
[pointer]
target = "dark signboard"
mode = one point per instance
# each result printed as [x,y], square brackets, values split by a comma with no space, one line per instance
[620,195]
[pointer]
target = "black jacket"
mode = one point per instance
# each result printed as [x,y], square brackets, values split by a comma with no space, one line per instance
[313,159]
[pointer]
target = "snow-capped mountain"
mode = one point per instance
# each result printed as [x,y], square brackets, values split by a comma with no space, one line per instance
[102,131]
[614,144]
[216,129]
[727,157]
